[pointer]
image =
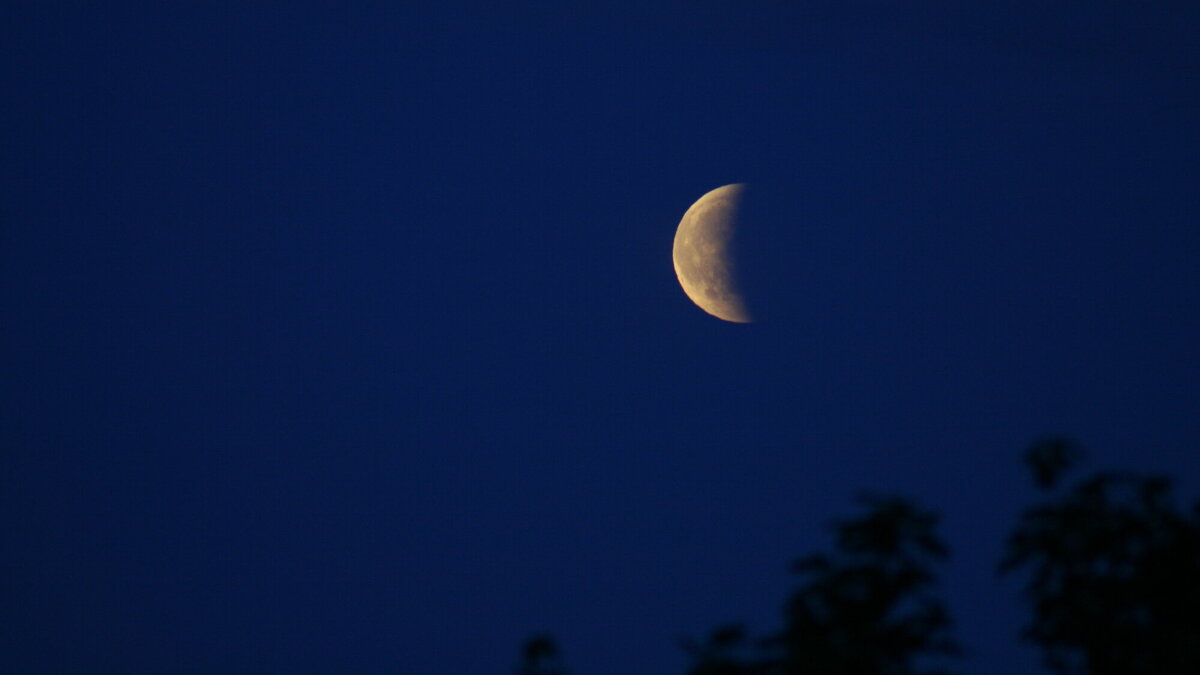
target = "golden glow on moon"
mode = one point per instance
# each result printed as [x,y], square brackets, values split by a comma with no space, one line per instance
[704,257]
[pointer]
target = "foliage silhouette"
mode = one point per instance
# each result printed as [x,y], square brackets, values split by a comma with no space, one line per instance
[541,656]
[1113,581]
[867,609]
[1114,571]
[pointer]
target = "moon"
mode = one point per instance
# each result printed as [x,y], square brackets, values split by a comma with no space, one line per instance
[704,254]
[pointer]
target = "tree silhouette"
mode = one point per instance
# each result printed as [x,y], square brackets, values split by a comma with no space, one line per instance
[541,656]
[1114,571]
[1113,581]
[869,608]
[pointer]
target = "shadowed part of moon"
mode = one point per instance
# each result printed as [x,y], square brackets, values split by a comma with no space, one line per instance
[704,257]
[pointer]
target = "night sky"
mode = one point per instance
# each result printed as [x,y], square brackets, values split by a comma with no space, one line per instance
[347,339]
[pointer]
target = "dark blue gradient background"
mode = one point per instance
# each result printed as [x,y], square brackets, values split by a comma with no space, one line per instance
[346,339]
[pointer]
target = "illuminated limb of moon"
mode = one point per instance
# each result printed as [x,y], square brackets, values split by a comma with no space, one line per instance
[704,254]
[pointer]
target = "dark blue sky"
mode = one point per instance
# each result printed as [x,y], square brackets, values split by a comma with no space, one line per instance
[347,339]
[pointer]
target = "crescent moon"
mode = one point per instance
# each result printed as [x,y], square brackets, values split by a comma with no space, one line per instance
[704,255]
